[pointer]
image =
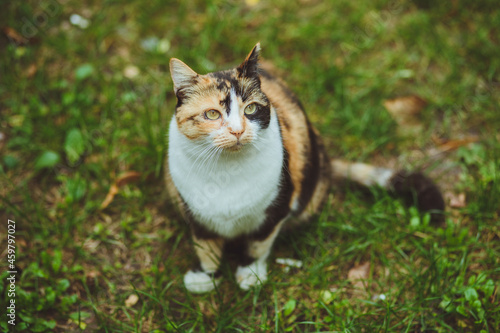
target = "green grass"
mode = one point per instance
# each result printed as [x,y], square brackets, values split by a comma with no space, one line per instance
[72,121]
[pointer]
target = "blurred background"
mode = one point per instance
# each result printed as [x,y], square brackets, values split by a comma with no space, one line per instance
[85,100]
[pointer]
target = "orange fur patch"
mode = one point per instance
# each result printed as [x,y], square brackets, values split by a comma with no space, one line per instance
[293,129]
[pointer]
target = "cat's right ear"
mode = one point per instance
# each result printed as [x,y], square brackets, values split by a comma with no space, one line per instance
[182,75]
[250,67]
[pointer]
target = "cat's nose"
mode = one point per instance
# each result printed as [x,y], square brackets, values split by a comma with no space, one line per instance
[237,134]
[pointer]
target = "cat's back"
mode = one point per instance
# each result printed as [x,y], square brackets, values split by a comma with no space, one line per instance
[307,160]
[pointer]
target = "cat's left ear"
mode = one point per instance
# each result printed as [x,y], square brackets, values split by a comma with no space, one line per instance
[182,75]
[250,67]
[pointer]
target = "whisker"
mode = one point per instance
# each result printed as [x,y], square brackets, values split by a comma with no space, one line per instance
[215,160]
[200,155]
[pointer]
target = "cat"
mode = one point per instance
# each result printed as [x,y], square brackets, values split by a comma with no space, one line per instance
[243,160]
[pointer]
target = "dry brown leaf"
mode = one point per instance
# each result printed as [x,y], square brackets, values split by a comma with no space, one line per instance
[15,36]
[405,105]
[455,144]
[127,177]
[123,179]
[131,300]
[31,70]
[359,273]
[405,110]
[456,200]
[113,190]
[92,274]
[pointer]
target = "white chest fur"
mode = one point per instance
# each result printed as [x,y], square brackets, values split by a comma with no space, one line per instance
[228,192]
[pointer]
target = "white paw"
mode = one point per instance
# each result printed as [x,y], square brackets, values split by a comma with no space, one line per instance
[200,282]
[251,275]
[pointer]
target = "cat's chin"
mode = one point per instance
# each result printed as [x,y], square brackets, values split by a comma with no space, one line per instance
[235,148]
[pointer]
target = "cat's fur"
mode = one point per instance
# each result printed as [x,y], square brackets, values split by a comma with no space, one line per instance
[239,177]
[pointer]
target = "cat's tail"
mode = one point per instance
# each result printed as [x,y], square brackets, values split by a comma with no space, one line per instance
[412,187]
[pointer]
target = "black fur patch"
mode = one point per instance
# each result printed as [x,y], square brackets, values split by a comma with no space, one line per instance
[311,171]
[250,67]
[261,116]
[252,88]
[225,103]
[415,188]
[237,250]
[181,97]
[181,93]
[225,81]
[214,275]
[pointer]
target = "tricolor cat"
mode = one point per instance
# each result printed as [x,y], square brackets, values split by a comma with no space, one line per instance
[243,160]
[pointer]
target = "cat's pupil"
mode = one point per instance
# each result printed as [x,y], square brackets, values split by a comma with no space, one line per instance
[212,114]
[250,109]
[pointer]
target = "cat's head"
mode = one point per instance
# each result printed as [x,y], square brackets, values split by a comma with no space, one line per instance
[226,109]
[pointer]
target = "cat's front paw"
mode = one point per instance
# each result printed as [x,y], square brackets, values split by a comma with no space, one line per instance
[251,275]
[200,282]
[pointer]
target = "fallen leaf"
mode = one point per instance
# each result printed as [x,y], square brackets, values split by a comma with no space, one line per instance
[113,190]
[405,110]
[455,144]
[359,273]
[92,274]
[131,300]
[31,71]
[455,200]
[405,106]
[127,177]
[15,36]
[123,179]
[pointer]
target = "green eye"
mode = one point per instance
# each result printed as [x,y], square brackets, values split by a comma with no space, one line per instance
[251,108]
[212,114]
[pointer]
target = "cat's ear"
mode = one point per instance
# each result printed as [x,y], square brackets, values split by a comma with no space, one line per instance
[250,67]
[182,75]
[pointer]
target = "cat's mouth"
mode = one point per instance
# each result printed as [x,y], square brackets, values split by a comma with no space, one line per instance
[236,147]
[232,146]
